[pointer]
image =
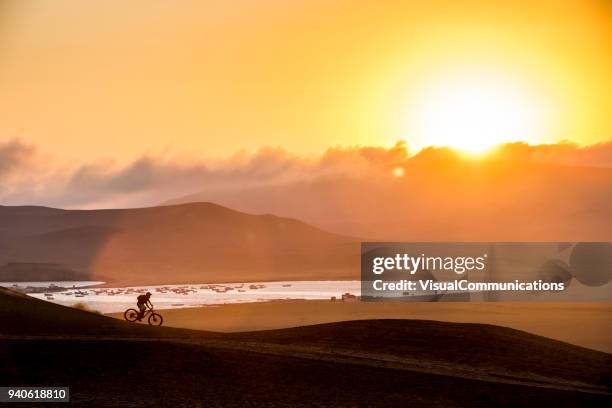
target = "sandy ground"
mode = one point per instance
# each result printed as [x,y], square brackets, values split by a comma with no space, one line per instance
[584,324]
[363,363]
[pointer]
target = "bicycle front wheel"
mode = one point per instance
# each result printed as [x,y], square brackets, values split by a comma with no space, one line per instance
[155,319]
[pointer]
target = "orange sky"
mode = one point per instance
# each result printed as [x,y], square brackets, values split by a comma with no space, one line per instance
[95,79]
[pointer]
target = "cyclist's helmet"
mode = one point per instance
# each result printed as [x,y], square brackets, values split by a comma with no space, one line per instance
[148,293]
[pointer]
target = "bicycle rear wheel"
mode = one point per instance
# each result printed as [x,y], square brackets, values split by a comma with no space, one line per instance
[155,319]
[131,315]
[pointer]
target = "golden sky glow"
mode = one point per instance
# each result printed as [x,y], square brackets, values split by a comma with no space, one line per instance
[93,79]
[475,111]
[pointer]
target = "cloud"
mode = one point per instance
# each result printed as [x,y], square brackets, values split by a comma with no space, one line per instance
[565,153]
[14,155]
[150,180]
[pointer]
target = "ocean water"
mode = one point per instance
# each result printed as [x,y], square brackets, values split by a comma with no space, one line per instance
[110,300]
[64,284]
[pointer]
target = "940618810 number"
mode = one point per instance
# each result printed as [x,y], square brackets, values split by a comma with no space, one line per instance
[34,394]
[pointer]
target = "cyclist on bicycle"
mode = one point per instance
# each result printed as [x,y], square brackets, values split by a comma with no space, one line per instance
[143,301]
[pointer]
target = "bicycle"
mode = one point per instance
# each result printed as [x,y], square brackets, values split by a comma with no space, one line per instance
[154,319]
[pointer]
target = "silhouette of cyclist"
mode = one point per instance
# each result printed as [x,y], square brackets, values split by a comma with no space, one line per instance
[143,301]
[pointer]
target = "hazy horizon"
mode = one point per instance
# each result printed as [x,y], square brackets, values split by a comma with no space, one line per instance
[30,177]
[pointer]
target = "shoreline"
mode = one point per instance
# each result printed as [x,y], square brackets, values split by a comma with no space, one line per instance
[127,284]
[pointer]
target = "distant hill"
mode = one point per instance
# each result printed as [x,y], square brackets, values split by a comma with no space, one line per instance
[199,242]
[32,271]
[442,198]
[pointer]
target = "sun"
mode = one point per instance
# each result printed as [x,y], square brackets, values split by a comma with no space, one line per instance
[475,113]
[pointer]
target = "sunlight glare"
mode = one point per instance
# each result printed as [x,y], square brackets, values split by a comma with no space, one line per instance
[473,114]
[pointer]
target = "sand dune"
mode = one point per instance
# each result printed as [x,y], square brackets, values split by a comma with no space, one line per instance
[584,324]
[359,363]
[22,315]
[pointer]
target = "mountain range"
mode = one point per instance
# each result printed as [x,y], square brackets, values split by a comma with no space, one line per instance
[438,196]
[197,242]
